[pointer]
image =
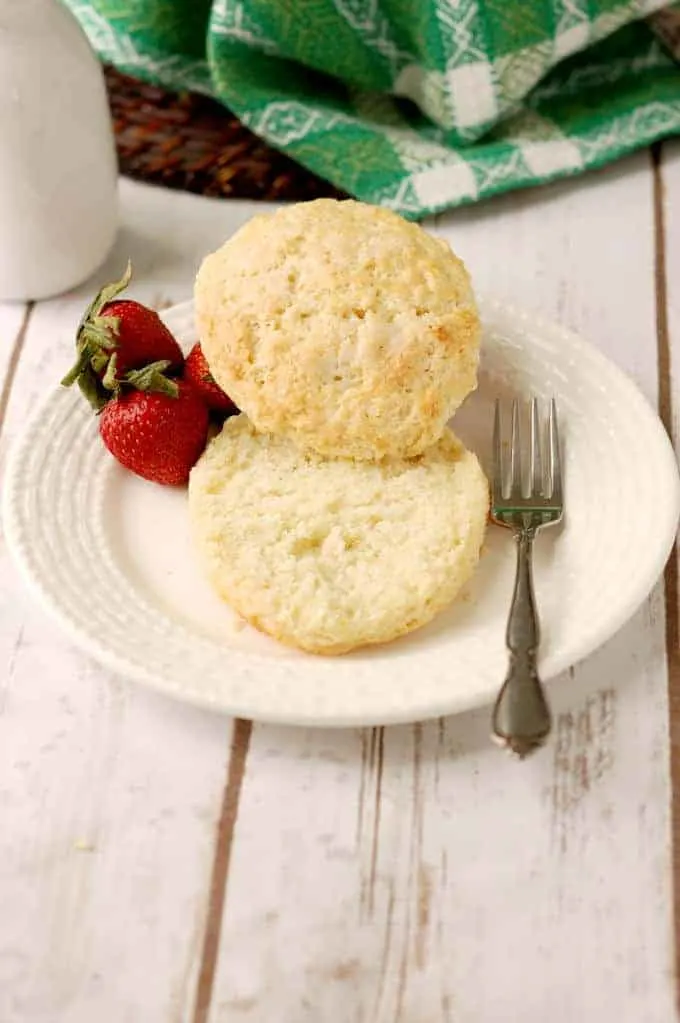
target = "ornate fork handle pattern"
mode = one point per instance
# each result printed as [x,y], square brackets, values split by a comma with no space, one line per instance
[521,718]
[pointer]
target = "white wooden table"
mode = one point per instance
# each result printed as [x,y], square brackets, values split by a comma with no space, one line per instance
[162,865]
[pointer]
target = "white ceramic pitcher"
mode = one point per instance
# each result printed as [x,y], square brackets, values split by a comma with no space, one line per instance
[58,176]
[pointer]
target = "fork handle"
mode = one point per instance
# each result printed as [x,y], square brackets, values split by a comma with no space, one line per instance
[521,717]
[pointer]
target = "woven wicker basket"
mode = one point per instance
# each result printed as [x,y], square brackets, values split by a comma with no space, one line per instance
[190,142]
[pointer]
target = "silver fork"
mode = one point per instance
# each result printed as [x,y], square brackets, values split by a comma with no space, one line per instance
[521,717]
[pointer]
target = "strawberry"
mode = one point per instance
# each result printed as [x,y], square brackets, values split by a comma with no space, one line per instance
[114,337]
[157,430]
[197,372]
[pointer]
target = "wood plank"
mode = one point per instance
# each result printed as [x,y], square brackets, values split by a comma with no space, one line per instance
[414,873]
[667,201]
[110,796]
[221,862]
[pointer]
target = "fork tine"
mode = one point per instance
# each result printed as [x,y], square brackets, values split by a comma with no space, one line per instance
[497,482]
[536,461]
[515,454]
[555,461]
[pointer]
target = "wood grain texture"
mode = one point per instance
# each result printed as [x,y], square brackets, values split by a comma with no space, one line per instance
[667,217]
[414,874]
[110,797]
[402,875]
[220,870]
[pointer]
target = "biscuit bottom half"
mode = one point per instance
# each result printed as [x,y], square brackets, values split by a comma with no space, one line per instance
[331,555]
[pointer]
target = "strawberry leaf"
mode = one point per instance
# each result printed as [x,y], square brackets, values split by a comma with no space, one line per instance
[151,378]
[92,389]
[95,337]
[108,293]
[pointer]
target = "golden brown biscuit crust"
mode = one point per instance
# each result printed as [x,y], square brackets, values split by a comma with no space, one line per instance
[342,326]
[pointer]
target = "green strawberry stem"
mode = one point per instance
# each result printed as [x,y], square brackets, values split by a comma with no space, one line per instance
[109,378]
[88,381]
[152,378]
[107,294]
[95,337]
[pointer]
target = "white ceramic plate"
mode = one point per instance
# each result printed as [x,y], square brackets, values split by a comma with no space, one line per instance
[110,555]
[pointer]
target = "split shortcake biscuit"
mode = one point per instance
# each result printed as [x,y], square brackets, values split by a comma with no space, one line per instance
[329,555]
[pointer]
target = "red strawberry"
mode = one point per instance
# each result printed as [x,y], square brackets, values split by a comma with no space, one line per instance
[140,337]
[197,372]
[157,432]
[114,337]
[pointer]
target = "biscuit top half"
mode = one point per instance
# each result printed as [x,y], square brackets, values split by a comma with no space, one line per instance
[341,326]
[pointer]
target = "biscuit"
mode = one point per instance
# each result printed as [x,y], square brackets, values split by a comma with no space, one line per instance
[341,326]
[329,555]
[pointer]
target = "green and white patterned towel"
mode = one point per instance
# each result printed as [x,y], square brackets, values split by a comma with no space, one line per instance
[419,105]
